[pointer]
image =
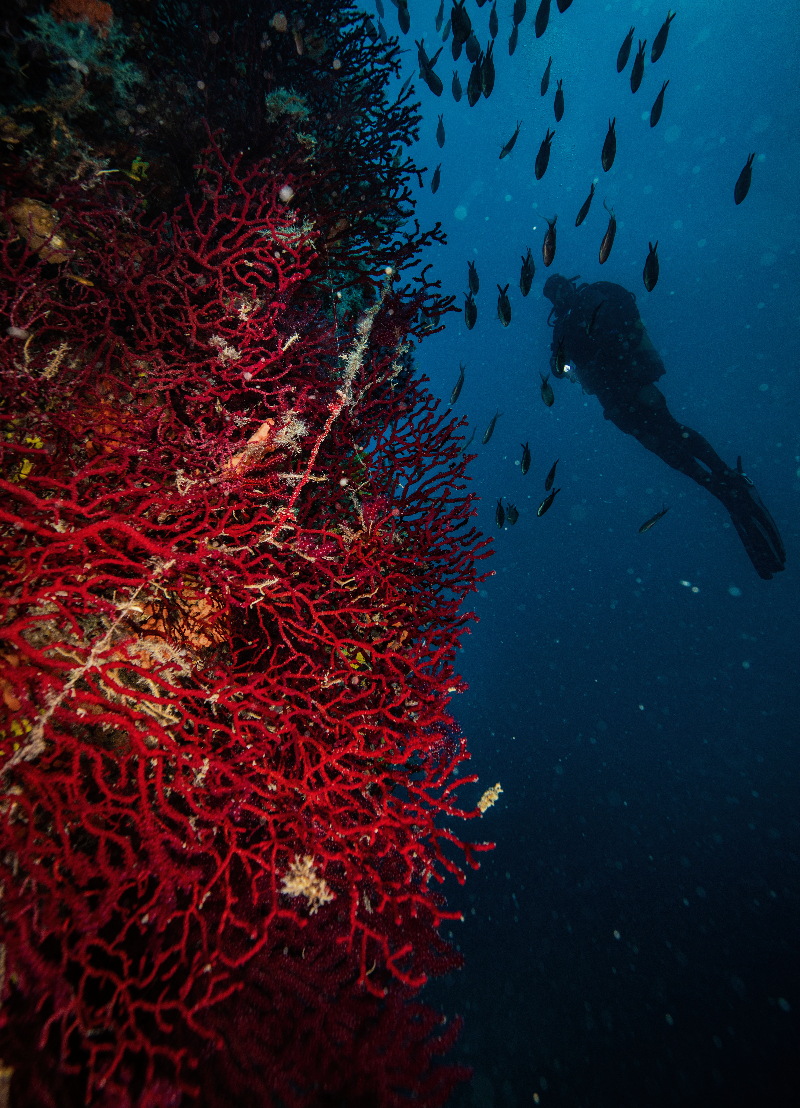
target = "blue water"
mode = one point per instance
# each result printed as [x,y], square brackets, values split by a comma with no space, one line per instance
[633,940]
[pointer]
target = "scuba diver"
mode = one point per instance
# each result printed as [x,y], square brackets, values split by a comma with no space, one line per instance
[599,339]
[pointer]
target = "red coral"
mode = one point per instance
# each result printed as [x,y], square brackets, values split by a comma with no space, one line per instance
[96,13]
[236,538]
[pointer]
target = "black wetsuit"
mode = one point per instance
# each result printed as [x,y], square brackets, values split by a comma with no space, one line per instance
[614,360]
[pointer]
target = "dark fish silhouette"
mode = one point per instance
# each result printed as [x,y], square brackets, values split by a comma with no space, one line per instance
[558,107]
[499,515]
[551,476]
[547,391]
[509,146]
[470,311]
[651,522]
[379,6]
[526,459]
[490,429]
[481,3]
[527,274]
[446,33]
[512,40]
[546,76]
[542,18]
[512,515]
[459,384]
[474,83]
[650,274]
[743,184]
[638,67]
[440,16]
[520,7]
[543,157]
[609,146]
[503,306]
[547,502]
[549,244]
[593,320]
[487,71]
[457,90]
[436,177]
[403,17]
[494,26]
[582,214]
[473,48]
[474,280]
[608,237]
[382,32]
[563,5]
[460,22]
[625,51]
[440,132]
[369,27]
[426,64]
[658,107]
[660,41]
[469,443]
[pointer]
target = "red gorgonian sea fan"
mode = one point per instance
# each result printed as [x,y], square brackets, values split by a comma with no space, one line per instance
[235,540]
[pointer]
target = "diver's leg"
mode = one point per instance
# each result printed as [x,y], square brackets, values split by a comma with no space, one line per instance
[645,415]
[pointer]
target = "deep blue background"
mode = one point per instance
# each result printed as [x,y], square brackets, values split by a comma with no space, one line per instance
[636,695]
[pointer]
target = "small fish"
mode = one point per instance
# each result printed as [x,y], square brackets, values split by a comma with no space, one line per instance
[440,16]
[563,5]
[503,306]
[469,443]
[459,385]
[494,26]
[743,184]
[558,107]
[440,131]
[582,214]
[460,21]
[431,79]
[487,71]
[403,18]
[470,311]
[660,40]
[512,515]
[526,458]
[382,33]
[609,146]
[499,515]
[379,6]
[512,40]
[490,429]
[547,391]
[658,107]
[527,274]
[474,280]
[473,48]
[542,18]
[446,31]
[406,83]
[638,67]
[457,90]
[520,7]
[608,237]
[546,76]
[437,173]
[650,274]
[562,362]
[547,502]
[625,51]
[648,523]
[81,280]
[474,83]
[591,323]
[543,157]
[509,146]
[551,476]
[549,244]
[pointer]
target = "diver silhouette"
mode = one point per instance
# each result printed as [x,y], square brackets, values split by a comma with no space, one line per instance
[599,338]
